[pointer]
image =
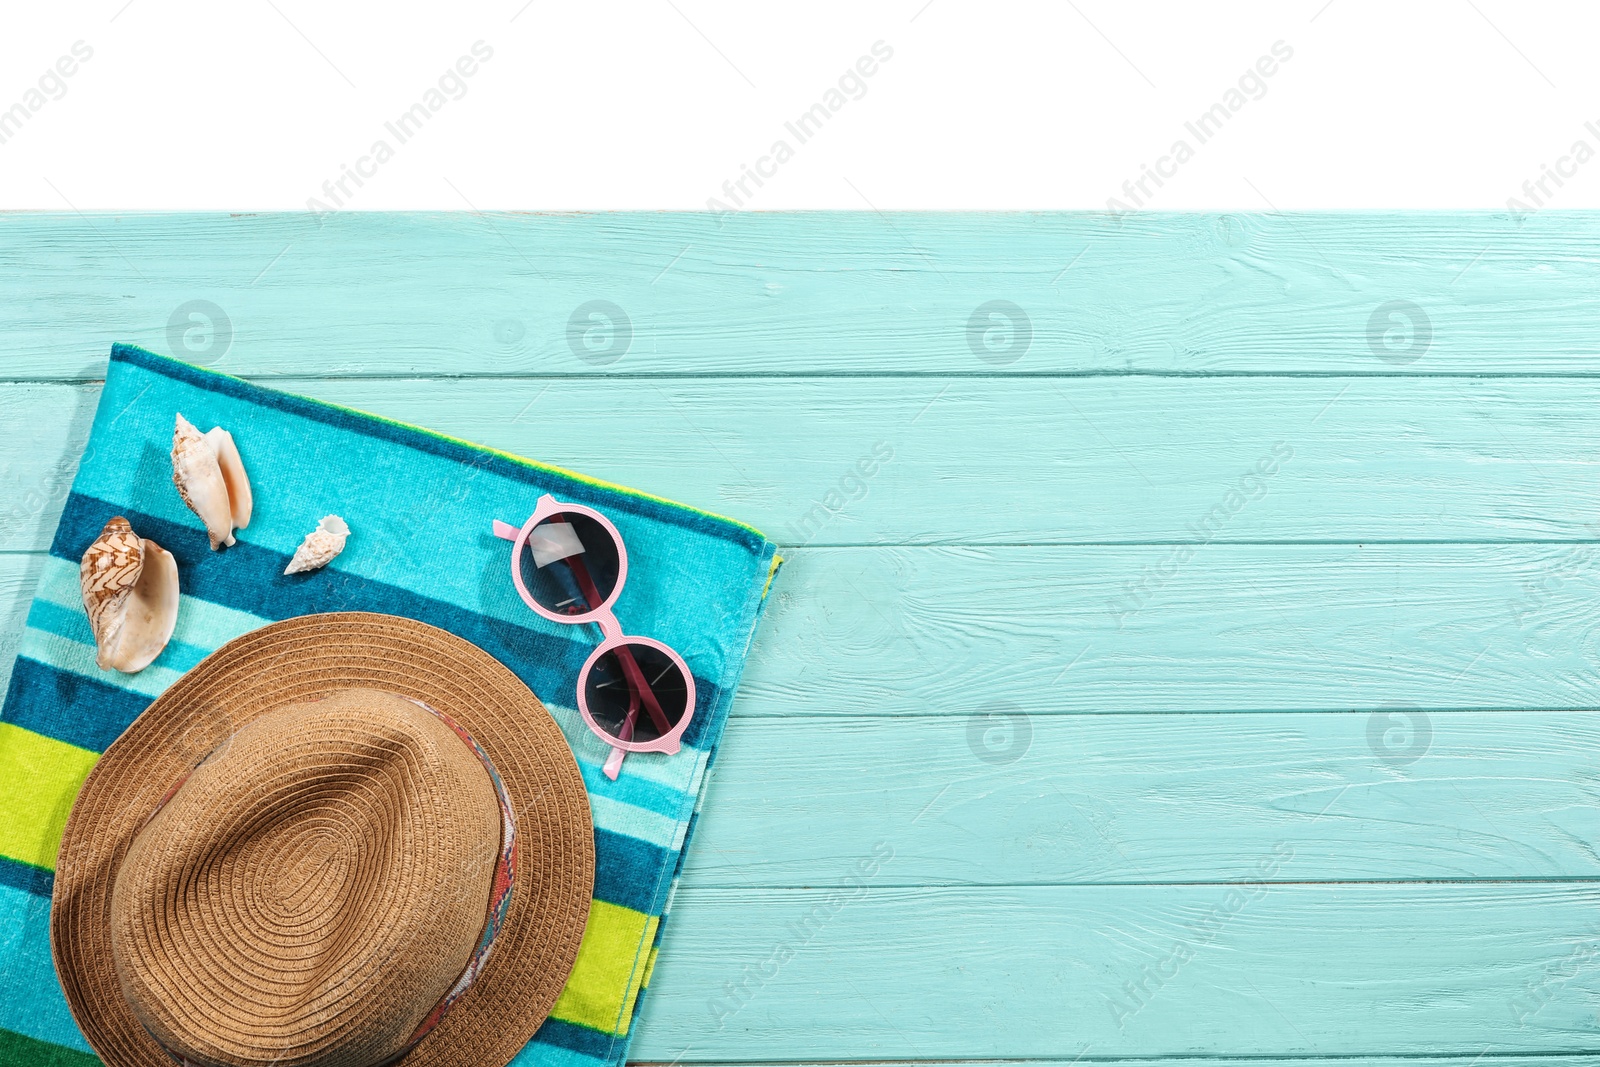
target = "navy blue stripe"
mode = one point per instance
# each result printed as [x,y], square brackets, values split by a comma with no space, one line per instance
[575,1038]
[67,706]
[574,490]
[26,877]
[250,578]
[627,872]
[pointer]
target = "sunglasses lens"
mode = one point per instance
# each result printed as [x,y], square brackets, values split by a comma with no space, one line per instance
[636,692]
[570,564]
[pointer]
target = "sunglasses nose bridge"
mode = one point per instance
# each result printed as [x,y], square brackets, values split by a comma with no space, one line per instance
[610,629]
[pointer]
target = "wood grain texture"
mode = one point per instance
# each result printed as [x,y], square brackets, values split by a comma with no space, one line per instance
[1051,972]
[1276,627]
[1178,761]
[972,461]
[1053,800]
[848,293]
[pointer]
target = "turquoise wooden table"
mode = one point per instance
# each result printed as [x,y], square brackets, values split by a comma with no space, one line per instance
[1188,645]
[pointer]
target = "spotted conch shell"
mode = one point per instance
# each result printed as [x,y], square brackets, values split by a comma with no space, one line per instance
[130,589]
[210,477]
[320,545]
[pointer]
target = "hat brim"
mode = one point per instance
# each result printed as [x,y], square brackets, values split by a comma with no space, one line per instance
[292,661]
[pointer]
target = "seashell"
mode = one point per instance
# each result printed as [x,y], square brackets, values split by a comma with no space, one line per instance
[320,545]
[130,589]
[210,477]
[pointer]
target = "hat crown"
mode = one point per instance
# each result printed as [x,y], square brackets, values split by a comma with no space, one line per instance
[310,892]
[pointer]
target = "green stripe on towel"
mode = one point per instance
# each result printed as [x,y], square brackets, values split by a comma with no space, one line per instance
[610,969]
[19,1050]
[39,777]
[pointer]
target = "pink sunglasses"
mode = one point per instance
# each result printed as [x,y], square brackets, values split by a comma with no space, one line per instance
[579,565]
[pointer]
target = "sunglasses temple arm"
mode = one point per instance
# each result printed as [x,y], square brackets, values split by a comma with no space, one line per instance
[586,585]
[637,682]
[613,765]
[505,531]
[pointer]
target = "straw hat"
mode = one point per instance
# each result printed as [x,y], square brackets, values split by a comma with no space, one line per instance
[338,840]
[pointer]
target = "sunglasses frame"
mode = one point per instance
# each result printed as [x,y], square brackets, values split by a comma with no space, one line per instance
[610,629]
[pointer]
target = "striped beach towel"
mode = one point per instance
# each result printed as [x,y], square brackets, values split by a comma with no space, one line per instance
[420,507]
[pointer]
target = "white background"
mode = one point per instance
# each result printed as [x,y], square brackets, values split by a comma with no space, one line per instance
[655,104]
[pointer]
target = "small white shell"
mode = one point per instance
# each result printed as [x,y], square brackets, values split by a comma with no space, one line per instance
[210,477]
[130,590]
[320,545]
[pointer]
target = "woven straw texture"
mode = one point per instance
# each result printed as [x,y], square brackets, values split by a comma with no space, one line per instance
[312,889]
[281,665]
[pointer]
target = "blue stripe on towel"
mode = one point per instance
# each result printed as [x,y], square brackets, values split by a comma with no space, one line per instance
[25,876]
[251,579]
[69,707]
[575,489]
[573,1038]
[33,1003]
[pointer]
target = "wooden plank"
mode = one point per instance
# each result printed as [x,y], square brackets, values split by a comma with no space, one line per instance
[845,293]
[19,578]
[997,461]
[1298,627]
[1052,800]
[1000,796]
[1125,971]
[43,432]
